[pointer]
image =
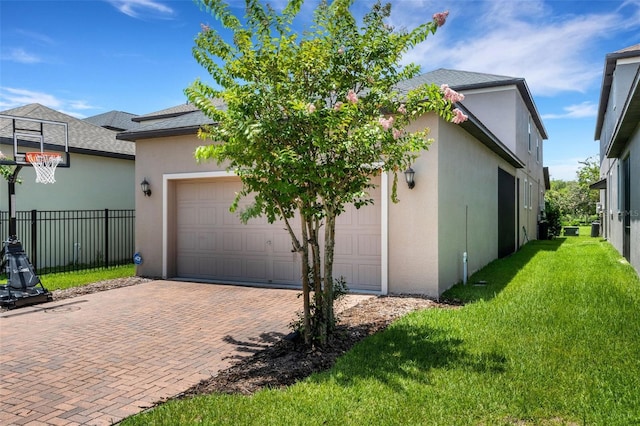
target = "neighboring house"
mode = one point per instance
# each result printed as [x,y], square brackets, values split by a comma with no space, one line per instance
[101,172]
[618,131]
[71,223]
[479,190]
[114,120]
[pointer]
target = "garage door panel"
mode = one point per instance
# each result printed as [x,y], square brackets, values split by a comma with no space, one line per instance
[207,216]
[187,240]
[281,243]
[256,242]
[232,241]
[186,265]
[188,192]
[256,269]
[232,268]
[207,241]
[343,270]
[346,218]
[344,244]
[213,244]
[188,215]
[369,245]
[286,272]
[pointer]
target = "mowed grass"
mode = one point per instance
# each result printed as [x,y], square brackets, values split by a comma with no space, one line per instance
[61,281]
[552,339]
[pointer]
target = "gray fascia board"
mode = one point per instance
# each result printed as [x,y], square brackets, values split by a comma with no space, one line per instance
[610,63]
[158,133]
[628,121]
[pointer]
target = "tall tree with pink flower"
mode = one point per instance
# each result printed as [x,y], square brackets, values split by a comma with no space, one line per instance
[310,118]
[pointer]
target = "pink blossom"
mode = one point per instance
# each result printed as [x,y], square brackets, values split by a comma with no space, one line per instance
[311,108]
[338,106]
[460,116]
[205,28]
[440,18]
[397,133]
[341,50]
[352,97]
[402,109]
[386,123]
[451,95]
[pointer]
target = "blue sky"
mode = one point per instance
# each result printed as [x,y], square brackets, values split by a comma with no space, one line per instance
[86,57]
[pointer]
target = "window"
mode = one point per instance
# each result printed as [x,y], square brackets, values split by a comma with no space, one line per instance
[537,149]
[529,129]
[524,193]
[530,195]
[620,188]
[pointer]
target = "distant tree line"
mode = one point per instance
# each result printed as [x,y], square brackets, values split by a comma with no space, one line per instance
[573,202]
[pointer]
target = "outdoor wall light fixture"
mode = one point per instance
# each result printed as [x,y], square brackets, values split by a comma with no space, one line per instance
[409,174]
[145,188]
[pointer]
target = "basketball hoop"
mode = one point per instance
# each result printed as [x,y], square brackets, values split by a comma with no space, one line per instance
[45,164]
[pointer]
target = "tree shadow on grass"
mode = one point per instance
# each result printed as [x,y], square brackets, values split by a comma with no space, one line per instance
[405,352]
[488,282]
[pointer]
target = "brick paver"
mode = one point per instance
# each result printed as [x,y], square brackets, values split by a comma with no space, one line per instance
[95,359]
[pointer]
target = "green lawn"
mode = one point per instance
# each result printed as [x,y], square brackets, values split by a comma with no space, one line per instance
[63,280]
[552,339]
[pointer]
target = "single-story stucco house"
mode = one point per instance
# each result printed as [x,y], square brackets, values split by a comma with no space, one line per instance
[479,190]
[618,130]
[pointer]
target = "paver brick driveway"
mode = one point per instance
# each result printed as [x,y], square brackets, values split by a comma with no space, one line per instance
[98,358]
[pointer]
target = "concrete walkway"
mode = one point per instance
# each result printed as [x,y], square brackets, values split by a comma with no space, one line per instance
[98,358]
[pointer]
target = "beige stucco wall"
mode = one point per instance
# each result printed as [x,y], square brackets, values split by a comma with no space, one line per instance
[413,224]
[467,204]
[159,158]
[496,109]
[90,183]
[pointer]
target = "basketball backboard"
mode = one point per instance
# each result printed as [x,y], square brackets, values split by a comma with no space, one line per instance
[20,135]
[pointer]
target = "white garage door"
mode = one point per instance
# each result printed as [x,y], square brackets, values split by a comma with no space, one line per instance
[212,244]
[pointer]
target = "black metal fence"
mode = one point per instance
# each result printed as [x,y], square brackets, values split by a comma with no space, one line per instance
[72,240]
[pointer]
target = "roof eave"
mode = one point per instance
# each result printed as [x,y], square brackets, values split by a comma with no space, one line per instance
[607,78]
[133,136]
[629,118]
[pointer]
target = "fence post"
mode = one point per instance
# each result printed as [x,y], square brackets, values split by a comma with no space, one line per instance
[106,238]
[34,239]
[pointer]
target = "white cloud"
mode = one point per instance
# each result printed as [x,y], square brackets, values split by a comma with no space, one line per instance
[135,8]
[20,55]
[566,169]
[38,37]
[582,110]
[523,39]
[13,97]
[82,105]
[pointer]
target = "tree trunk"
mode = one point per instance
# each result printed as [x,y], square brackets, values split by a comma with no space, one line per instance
[329,245]
[308,336]
[319,320]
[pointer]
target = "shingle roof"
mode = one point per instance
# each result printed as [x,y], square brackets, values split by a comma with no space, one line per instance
[84,137]
[634,48]
[184,124]
[167,113]
[457,79]
[114,120]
